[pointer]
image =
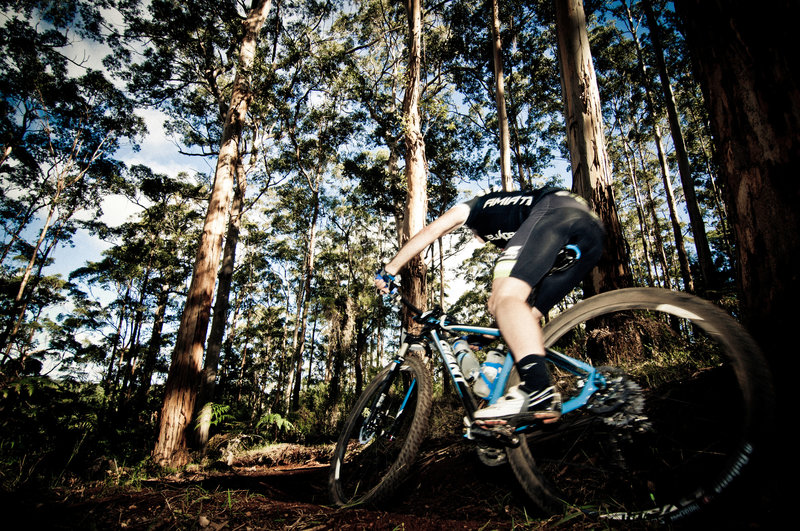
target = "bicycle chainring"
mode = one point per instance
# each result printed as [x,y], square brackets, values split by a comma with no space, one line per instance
[621,402]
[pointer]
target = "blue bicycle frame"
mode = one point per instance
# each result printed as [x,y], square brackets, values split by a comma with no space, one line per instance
[436,321]
[593,380]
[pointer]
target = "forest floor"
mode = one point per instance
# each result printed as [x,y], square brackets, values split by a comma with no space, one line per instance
[284,487]
[279,487]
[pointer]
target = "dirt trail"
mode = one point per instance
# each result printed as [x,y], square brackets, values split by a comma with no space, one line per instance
[450,490]
[286,488]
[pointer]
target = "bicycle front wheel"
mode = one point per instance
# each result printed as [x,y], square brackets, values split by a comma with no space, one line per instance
[678,420]
[381,437]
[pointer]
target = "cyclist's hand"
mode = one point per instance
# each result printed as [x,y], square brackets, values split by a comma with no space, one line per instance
[383,281]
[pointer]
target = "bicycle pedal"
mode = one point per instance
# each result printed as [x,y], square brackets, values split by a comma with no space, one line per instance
[494,434]
[534,418]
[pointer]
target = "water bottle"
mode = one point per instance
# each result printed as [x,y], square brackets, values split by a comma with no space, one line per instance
[484,384]
[470,367]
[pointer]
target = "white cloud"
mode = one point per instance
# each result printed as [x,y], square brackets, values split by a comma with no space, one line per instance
[118,209]
[160,153]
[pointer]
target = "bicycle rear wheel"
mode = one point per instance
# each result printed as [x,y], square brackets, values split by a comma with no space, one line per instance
[688,403]
[382,434]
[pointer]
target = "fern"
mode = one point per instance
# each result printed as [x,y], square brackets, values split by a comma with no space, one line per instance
[276,421]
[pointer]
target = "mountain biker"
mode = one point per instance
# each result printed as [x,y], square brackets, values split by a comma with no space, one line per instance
[531,227]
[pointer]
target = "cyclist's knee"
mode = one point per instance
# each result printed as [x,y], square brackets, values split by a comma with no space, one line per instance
[508,290]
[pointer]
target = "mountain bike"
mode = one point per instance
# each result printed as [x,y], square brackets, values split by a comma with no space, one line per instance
[661,425]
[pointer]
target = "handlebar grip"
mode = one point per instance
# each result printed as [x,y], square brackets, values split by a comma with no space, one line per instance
[394,290]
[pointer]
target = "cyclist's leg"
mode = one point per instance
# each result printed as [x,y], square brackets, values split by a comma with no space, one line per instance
[526,262]
[511,291]
[535,398]
[515,318]
[586,233]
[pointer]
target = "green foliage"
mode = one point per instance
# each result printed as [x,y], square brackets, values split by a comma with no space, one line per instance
[60,126]
[220,413]
[323,154]
[49,428]
[274,423]
[476,272]
[25,386]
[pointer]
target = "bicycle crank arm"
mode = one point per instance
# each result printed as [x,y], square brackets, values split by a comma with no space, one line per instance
[496,436]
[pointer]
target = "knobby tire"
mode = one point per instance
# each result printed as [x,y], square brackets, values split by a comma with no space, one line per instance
[707,408]
[377,448]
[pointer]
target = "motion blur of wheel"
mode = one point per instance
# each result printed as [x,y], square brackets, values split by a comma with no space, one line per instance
[682,414]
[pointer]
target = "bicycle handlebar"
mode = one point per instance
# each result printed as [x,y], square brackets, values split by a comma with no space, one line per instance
[436,316]
[394,294]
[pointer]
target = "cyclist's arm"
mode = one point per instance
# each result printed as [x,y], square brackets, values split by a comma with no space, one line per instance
[446,223]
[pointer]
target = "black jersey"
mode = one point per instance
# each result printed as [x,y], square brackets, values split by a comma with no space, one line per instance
[496,215]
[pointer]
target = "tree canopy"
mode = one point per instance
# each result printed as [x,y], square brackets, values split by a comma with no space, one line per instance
[319,154]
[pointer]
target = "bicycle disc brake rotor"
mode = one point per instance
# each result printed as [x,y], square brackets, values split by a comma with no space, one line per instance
[621,402]
[369,429]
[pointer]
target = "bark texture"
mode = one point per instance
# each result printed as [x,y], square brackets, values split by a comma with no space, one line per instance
[414,274]
[746,60]
[591,175]
[171,449]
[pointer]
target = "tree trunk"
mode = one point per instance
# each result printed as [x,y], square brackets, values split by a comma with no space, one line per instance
[414,282]
[311,352]
[362,335]
[746,61]
[630,162]
[522,178]
[500,99]
[296,365]
[181,388]
[208,380]
[745,56]
[706,263]
[680,248]
[591,176]
[341,344]
[677,232]
[131,359]
[153,346]
[18,307]
[662,256]
[108,379]
[718,201]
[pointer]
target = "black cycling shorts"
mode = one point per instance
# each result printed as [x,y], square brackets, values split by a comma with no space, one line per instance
[557,220]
